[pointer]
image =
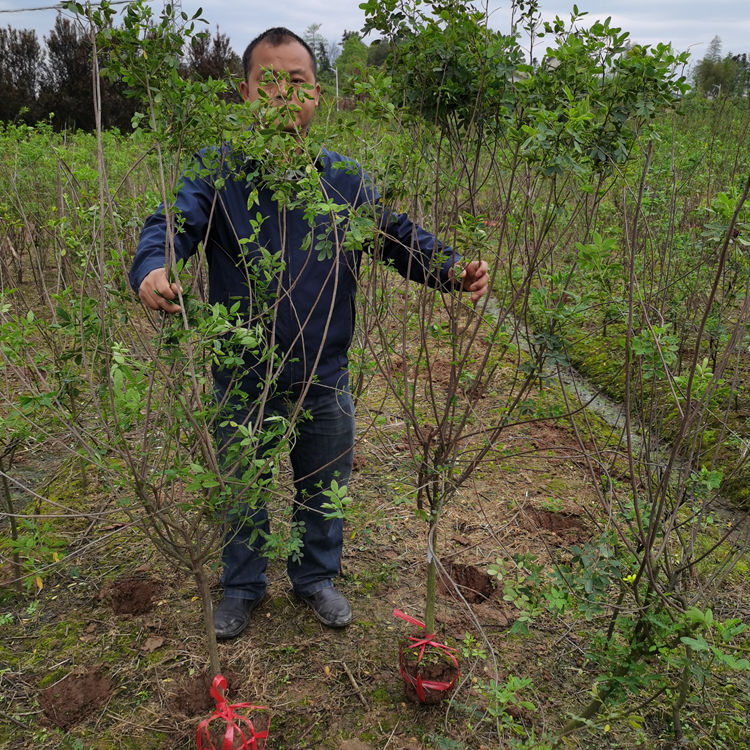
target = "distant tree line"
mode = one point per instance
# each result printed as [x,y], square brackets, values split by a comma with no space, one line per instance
[55,81]
[716,75]
[349,58]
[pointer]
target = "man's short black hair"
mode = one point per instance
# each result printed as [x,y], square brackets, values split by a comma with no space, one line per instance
[276,36]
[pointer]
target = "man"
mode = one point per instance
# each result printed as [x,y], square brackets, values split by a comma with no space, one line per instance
[312,309]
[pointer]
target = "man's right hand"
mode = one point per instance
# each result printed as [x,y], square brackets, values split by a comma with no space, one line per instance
[157,293]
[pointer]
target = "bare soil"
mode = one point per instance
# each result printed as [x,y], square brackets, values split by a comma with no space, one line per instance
[243,731]
[78,696]
[131,595]
[429,678]
[110,653]
[474,585]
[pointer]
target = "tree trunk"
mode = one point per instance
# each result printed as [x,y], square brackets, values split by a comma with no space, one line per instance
[201,582]
[430,594]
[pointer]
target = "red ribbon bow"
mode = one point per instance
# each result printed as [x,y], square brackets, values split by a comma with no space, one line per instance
[421,644]
[226,711]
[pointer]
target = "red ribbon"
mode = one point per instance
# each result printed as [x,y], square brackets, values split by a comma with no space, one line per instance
[226,711]
[421,644]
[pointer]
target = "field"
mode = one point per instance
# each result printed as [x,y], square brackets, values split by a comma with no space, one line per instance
[554,480]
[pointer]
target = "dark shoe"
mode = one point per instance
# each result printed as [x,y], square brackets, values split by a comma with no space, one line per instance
[232,616]
[330,607]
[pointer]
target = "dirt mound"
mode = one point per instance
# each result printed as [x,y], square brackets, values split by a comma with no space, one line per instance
[430,679]
[131,595]
[475,585]
[77,696]
[551,521]
[192,697]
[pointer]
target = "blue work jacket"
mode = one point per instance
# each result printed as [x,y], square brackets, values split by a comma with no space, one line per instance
[309,304]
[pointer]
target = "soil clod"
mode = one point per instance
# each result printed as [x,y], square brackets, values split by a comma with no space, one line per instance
[76,697]
[131,595]
[434,677]
[552,521]
[475,585]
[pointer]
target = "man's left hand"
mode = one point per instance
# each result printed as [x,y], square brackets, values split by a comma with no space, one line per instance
[475,279]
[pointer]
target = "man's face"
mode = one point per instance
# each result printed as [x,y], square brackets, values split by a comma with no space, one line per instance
[285,75]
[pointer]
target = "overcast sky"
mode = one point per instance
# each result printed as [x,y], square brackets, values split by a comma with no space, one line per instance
[688,24]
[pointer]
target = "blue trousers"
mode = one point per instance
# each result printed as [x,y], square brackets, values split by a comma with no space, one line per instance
[322,450]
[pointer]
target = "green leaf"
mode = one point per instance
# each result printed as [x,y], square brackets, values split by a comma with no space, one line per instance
[696,644]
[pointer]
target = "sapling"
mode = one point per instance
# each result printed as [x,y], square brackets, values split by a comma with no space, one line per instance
[438,354]
[198,455]
[151,419]
[519,173]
